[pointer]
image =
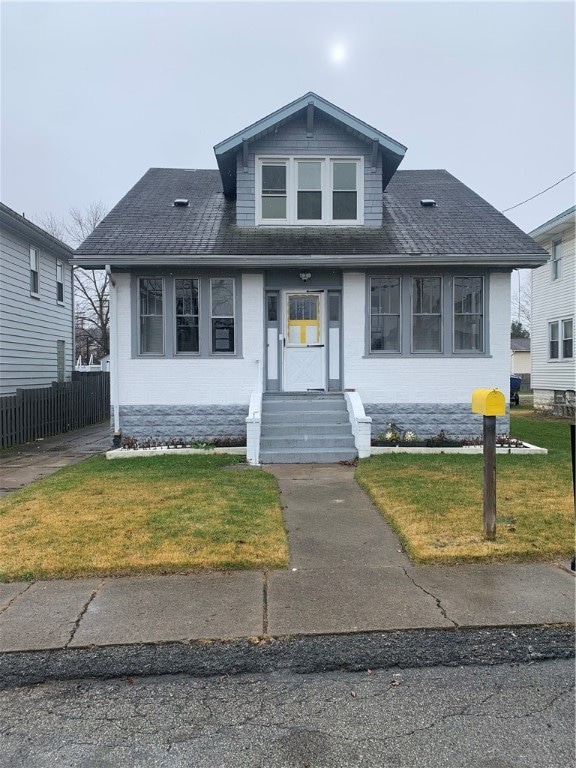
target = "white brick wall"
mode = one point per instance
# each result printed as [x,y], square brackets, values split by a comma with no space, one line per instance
[186,381]
[424,380]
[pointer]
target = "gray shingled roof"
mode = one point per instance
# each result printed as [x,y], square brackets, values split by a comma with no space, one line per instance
[463,225]
[520,345]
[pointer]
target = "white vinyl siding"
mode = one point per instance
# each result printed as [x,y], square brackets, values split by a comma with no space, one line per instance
[554,302]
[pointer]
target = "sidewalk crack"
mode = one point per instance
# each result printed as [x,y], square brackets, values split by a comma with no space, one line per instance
[437,599]
[265,603]
[82,612]
[11,602]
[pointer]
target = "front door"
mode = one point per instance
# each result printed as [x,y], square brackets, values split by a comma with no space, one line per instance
[304,349]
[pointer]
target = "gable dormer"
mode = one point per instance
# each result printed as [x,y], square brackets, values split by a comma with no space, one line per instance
[308,164]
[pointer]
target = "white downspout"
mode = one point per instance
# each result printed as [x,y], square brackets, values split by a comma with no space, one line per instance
[114,372]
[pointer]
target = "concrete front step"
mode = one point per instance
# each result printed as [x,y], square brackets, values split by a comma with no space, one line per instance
[320,442]
[306,428]
[314,406]
[304,456]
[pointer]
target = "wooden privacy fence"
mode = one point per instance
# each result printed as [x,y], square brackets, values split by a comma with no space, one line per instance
[34,413]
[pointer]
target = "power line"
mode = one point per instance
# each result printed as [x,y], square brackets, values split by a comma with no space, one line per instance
[538,194]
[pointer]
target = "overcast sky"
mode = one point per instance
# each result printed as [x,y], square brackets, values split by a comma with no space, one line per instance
[93,94]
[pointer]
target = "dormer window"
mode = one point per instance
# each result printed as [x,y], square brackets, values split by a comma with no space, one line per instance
[309,191]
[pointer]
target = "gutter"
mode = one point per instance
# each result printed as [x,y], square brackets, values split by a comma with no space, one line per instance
[114,372]
[267,261]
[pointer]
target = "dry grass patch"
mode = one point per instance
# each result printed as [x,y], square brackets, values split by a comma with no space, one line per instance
[164,514]
[435,502]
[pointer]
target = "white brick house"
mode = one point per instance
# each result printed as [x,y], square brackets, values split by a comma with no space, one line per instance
[306,263]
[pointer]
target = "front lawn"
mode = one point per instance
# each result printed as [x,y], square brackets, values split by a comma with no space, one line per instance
[167,514]
[435,502]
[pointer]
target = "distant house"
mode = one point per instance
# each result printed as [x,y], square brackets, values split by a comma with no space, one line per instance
[520,363]
[36,305]
[304,281]
[553,317]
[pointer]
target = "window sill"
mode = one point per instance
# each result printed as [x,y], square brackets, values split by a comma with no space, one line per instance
[425,355]
[35,295]
[60,303]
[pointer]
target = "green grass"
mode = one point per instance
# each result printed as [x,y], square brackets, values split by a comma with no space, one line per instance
[167,514]
[435,502]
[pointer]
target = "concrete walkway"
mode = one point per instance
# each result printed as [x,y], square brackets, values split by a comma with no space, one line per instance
[23,464]
[348,574]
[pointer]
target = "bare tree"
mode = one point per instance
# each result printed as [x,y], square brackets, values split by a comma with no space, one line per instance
[521,298]
[92,311]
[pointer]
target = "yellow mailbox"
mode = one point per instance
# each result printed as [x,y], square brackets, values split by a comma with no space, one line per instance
[488,402]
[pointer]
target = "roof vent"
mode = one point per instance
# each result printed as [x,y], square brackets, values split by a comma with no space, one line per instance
[180,202]
[428,203]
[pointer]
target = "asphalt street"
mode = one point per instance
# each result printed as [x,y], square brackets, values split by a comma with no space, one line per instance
[506,716]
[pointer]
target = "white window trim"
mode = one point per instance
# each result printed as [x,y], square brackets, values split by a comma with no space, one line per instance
[556,262]
[36,252]
[60,269]
[558,340]
[291,164]
[563,337]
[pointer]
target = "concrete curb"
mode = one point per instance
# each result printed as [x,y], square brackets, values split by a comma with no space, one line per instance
[299,654]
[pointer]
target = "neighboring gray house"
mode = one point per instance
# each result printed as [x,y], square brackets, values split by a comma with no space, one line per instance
[554,316]
[306,283]
[36,305]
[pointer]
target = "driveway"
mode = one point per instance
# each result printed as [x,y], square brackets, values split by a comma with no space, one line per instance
[28,462]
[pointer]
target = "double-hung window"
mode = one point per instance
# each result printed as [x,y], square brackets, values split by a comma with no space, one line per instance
[274,191]
[151,308]
[468,314]
[34,271]
[556,260]
[385,314]
[426,314]
[59,282]
[187,315]
[309,194]
[553,341]
[309,191]
[222,314]
[344,190]
[567,338]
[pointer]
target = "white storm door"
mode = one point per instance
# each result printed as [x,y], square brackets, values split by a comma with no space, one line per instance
[304,350]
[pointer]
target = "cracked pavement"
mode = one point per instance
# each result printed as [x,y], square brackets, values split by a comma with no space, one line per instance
[349,585]
[491,717]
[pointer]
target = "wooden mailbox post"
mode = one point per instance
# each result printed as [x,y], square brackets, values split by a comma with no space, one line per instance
[489,403]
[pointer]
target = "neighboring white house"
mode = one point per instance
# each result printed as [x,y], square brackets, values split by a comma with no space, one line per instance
[520,363]
[305,264]
[553,317]
[36,305]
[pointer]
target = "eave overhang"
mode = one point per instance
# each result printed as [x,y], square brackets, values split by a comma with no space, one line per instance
[9,219]
[227,150]
[410,260]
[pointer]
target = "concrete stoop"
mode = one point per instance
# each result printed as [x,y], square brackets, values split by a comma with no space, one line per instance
[306,428]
